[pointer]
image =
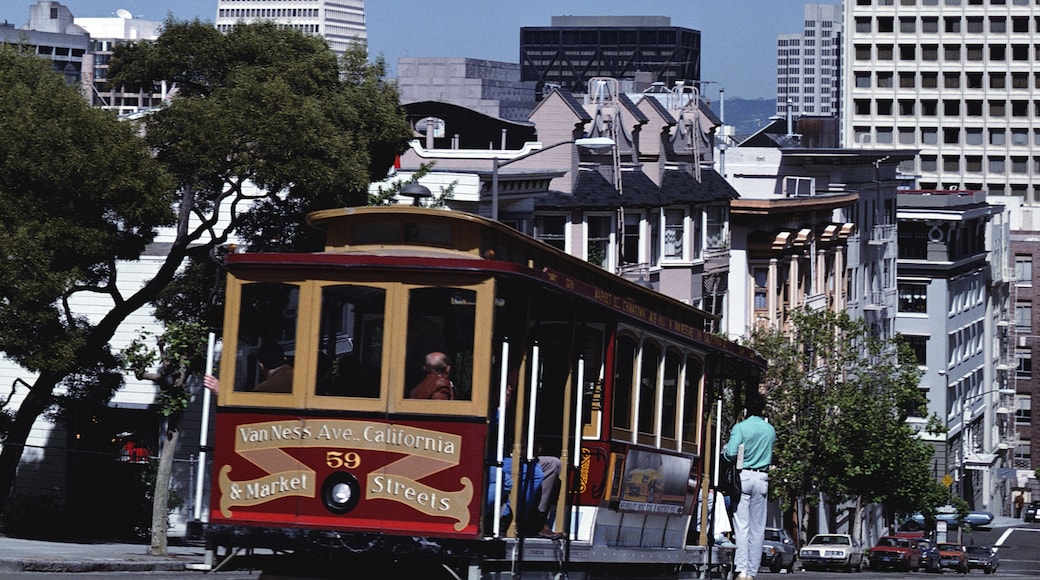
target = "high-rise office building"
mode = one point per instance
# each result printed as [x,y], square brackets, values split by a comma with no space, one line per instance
[957,80]
[105,33]
[340,22]
[808,64]
[632,49]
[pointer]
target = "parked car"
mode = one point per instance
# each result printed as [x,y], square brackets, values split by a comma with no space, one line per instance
[895,552]
[931,559]
[1032,512]
[778,551]
[983,558]
[954,556]
[974,518]
[827,551]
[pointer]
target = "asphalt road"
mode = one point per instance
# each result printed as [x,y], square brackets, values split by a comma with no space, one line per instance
[1018,547]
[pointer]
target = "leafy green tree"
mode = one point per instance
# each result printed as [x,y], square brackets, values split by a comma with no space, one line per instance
[264,122]
[839,400]
[79,191]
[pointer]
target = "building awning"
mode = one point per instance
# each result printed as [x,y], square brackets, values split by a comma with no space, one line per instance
[980,461]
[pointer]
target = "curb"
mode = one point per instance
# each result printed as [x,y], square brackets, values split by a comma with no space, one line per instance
[16,565]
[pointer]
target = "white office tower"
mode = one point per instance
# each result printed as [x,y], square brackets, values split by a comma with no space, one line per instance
[105,33]
[338,21]
[957,79]
[807,64]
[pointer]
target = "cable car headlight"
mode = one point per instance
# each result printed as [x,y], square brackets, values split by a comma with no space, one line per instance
[340,492]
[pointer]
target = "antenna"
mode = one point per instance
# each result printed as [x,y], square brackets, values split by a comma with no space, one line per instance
[124,13]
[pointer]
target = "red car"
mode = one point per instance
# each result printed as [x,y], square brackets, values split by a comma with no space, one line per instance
[954,556]
[895,552]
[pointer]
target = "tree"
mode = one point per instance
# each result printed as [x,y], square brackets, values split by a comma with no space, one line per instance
[79,191]
[260,106]
[839,401]
[180,353]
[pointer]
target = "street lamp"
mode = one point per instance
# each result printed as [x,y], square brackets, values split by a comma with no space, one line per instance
[416,191]
[588,142]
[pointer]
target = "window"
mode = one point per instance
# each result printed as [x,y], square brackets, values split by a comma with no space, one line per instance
[630,239]
[1023,411]
[717,237]
[919,344]
[691,399]
[761,299]
[1024,317]
[441,320]
[650,364]
[624,364]
[599,244]
[1024,367]
[913,297]
[350,352]
[266,333]
[551,229]
[1024,270]
[670,395]
[674,238]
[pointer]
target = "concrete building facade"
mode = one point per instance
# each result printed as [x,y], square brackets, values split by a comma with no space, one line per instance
[340,22]
[957,81]
[105,33]
[951,283]
[808,65]
[489,87]
[52,35]
[630,49]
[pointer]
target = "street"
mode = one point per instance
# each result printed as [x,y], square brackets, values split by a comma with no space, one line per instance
[1018,548]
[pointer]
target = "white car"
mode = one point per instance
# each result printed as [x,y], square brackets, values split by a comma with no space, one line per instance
[832,551]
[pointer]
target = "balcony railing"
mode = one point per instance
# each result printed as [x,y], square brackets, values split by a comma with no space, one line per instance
[883,234]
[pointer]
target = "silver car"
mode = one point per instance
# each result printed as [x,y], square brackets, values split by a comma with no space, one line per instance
[778,551]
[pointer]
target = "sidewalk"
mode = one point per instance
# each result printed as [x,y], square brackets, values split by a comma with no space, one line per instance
[21,555]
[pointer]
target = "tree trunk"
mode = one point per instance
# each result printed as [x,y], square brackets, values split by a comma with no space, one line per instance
[857,516]
[162,487]
[35,403]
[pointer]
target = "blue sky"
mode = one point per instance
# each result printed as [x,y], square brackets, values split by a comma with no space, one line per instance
[738,37]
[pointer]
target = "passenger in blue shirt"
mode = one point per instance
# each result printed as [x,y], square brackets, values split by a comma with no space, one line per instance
[757,437]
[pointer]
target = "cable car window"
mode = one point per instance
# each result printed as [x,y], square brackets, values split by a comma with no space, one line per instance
[691,401]
[651,361]
[670,394]
[439,354]
[350,344]
[266,338]
[624,361]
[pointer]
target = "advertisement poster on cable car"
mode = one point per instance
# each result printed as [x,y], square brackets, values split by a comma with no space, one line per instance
[654,483]
[332,472]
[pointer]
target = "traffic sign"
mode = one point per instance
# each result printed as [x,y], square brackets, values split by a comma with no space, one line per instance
[947,480]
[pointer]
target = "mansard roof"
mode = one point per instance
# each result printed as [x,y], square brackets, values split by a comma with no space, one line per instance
[593,191]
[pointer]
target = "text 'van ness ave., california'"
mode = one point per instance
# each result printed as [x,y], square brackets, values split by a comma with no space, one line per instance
[352,434]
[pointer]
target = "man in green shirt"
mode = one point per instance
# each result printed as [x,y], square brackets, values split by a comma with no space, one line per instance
[756,436]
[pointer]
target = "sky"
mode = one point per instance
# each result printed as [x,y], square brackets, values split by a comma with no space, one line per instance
[738,37]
